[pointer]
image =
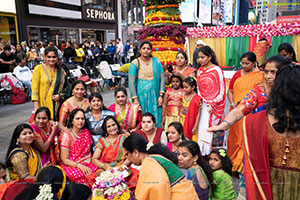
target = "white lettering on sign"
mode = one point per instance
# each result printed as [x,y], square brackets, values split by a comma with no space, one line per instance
[99,14]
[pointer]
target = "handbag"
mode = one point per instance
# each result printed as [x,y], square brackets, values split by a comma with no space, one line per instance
[218,139]
[85,78]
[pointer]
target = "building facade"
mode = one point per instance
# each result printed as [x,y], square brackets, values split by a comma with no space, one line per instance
[67,20]
[8,22]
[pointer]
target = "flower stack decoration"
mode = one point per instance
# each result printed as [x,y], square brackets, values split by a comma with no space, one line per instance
[111,185]
[163,28]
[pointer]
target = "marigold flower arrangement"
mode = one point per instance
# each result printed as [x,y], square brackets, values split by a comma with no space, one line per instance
[111,185]
[163,27]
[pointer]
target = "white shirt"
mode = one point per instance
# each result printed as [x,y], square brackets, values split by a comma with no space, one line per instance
[121,47]
[22,73]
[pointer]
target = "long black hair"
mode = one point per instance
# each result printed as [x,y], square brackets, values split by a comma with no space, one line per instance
[48,175]
[206,50]
[120,131]
[179,128]
[287,47]
[225,160]
[13,142]
[194,149]
[76,191]
[284,99]
[72,115]
[137,142]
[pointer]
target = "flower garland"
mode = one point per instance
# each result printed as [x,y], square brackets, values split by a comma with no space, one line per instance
[110,185]
[177,32]
[162,6]
[262,30]
[167,11]
[45,192]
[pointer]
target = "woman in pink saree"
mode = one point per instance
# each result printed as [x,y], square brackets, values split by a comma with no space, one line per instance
[75,147]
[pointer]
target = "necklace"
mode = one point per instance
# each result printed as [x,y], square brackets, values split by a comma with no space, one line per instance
[111,143]
[188,98]
[75,134]
[119,112]
[146,62]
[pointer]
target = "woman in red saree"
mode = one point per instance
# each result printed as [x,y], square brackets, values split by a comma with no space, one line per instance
[75,147]
[150,132]
[271,142]
[211,84]
[44,132]
[128,115]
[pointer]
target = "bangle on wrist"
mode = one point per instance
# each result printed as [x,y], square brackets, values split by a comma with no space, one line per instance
[227,122]
[232,104]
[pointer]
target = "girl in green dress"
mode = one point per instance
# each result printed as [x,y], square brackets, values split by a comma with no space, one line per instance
[222,187]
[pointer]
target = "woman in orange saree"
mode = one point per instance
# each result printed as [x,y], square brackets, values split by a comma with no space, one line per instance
[250,77]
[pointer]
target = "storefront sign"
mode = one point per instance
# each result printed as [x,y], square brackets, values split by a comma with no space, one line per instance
[288,19]
[98,15]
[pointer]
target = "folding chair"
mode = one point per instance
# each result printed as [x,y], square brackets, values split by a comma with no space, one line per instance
[105,73]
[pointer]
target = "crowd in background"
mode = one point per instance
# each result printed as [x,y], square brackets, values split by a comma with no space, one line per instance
[172,128]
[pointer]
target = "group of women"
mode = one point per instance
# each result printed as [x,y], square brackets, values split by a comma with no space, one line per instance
[86,137]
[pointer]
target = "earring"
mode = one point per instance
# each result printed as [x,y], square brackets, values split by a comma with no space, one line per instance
[195,163]
[17,143]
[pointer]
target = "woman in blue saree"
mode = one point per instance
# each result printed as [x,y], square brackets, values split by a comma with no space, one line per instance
[146,82]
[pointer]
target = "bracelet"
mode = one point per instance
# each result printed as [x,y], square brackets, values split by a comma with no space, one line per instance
[227,122]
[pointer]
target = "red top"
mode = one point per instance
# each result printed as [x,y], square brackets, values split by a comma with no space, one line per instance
[237,75]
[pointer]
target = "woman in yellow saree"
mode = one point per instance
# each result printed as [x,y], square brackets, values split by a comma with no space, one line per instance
[22,161]
[241,83]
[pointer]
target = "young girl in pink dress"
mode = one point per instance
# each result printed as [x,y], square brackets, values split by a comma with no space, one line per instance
[172,102]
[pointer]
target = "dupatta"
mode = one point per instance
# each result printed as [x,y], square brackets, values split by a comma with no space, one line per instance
[257,169]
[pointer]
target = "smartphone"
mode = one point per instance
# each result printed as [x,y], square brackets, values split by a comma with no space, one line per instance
[170,68]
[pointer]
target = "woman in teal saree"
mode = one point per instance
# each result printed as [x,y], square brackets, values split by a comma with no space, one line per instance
[146,82]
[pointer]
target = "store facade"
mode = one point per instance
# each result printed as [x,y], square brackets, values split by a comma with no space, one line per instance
[8,21]
[67,20]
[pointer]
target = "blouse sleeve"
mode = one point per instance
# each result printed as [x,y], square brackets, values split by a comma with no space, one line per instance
[20,163]
[99,145]
[152,185]
[63,114]
[65,140]
[132,75]
[35,84]
[249,103]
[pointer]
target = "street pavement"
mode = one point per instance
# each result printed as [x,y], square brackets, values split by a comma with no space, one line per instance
[12,115]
